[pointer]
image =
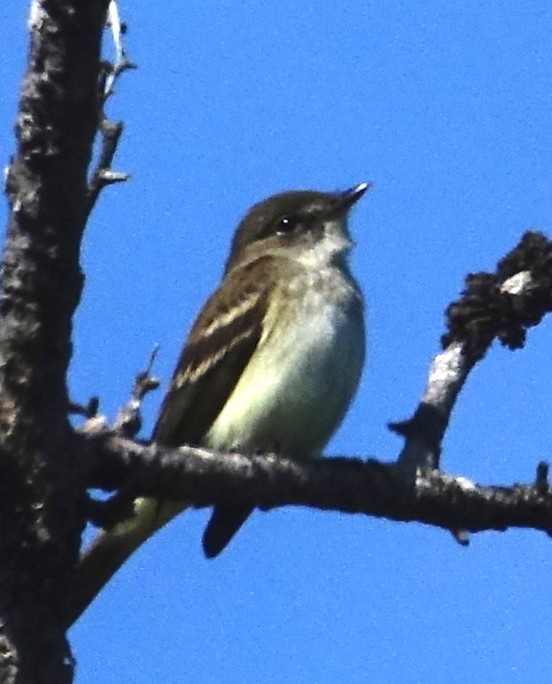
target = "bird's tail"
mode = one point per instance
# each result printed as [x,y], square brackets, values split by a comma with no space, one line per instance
[110,549]
[224,523]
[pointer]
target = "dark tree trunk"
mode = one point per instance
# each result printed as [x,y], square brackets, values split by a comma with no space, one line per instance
[41,514]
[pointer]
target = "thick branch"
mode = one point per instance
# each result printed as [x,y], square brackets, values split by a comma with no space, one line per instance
[41,486]
[349,485]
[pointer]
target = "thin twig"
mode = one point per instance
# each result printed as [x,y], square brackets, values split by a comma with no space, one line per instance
[129,419]
[110,131]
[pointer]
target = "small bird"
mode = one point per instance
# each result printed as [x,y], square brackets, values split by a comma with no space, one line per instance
[271,363]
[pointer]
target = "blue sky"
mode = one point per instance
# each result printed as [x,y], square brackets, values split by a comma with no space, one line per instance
[446,107]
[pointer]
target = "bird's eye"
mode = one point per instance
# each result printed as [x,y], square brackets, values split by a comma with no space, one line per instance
[286,224]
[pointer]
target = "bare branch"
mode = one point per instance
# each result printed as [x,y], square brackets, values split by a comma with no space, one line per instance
[502,306]
[41,487]
[349,485]
[110,131]
[129,420]
[122,63]
[90,410]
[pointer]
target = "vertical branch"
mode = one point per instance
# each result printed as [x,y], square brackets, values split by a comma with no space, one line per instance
[41,283]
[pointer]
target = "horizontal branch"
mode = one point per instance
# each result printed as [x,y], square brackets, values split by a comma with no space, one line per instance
[494,306]
[349,485]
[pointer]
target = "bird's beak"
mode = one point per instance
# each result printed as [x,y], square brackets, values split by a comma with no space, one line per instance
[348,198]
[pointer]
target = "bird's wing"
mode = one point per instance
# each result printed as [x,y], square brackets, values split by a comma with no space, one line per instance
[216,352]
[219,347]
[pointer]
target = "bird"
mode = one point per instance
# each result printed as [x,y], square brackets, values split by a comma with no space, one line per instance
[271,363]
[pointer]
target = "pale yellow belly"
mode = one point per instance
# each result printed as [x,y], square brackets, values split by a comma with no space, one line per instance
[297,386]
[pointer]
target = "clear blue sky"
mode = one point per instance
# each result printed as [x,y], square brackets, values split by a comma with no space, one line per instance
[447,108]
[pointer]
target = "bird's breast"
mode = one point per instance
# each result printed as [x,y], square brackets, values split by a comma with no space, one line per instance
[304,372]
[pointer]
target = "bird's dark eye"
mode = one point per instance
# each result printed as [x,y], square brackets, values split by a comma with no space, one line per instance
[286,224]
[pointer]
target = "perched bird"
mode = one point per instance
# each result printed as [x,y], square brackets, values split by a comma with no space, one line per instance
[271,363]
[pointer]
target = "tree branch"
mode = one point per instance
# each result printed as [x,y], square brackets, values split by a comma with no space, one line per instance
[41,480]
[110,131]
[348,485]
[502,305]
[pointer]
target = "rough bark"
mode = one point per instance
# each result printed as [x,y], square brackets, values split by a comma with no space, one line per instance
[41,512]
